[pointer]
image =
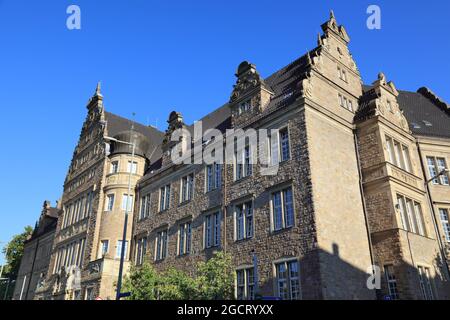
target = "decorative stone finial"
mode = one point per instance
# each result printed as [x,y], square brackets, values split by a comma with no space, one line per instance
[319,39]
[98,90]
[332,15]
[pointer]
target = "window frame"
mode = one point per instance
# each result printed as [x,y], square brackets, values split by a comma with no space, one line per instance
[273,220]
[247,286]
[110,204]
[214,229]
[289,279]
[246,217]
[391,281]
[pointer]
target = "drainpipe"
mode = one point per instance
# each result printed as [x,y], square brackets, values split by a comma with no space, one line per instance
[361,188]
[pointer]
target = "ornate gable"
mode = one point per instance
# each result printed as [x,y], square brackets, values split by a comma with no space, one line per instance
[381,100]
[250,96]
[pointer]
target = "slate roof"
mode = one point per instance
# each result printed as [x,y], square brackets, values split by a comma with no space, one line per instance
[117,124]
[425,116]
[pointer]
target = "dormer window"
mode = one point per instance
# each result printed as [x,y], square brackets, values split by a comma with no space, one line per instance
[244,106]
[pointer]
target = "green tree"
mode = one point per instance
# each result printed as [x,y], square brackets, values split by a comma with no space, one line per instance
[13,252]
[214,280]
[176,285]
[142,283]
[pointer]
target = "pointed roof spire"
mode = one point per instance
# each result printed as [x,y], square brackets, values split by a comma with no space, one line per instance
[332,14]
[98,90]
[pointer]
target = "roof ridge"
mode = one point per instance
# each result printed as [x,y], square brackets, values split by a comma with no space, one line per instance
[439,102]
[135,122]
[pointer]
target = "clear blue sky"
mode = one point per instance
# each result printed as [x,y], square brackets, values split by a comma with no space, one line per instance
[156,56]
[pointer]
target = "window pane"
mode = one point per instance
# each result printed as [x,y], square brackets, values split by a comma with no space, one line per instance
[288,207]
[442,166]
[445,223]
[284,141]
[432,170]
[277,211]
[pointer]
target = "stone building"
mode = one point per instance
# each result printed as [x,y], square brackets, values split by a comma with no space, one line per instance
[350,191]
[87,246]
[356,177]
[36,254]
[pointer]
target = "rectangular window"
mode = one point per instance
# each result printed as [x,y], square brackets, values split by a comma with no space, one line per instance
[398,154]
[425,283]
[114,167]
[441,165]
[119,249]
[132,167]
[282,209]
[288,280]
[391,282]
[104,247]
[187,188]
[445,223]
[245,284]
[284,145]
[141,249]
[161,245]
[145,207]
[212,230]
[90,294]
[243,163]
[244,107]
[184,239]
[341,100]
[127,202]
[164,198]
[213,177]
[435,167]
[109,202]
[411,215]
[244,221]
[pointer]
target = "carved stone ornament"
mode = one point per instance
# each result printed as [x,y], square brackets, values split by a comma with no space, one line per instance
[248,78]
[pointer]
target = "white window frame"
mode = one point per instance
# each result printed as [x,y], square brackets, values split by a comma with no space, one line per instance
[184,246]
[434,168]
[391,281]
[284,224]
[129,198]
[119,249]
[187,188]
[164,198]
[114,168]
[212,233]
[132,166]
[289,280]
[444,216]
[247,286]
[109,206]
[102,252]
[161,245]
[246,232]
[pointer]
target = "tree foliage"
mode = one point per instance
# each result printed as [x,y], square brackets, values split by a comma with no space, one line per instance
[214,280]
[13,252]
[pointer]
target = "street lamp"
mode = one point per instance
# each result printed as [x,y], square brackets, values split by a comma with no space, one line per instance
[443,172]
[124,237]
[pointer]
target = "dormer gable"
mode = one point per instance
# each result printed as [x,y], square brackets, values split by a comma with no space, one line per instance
[381,100]
[250,96]
[175,122]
